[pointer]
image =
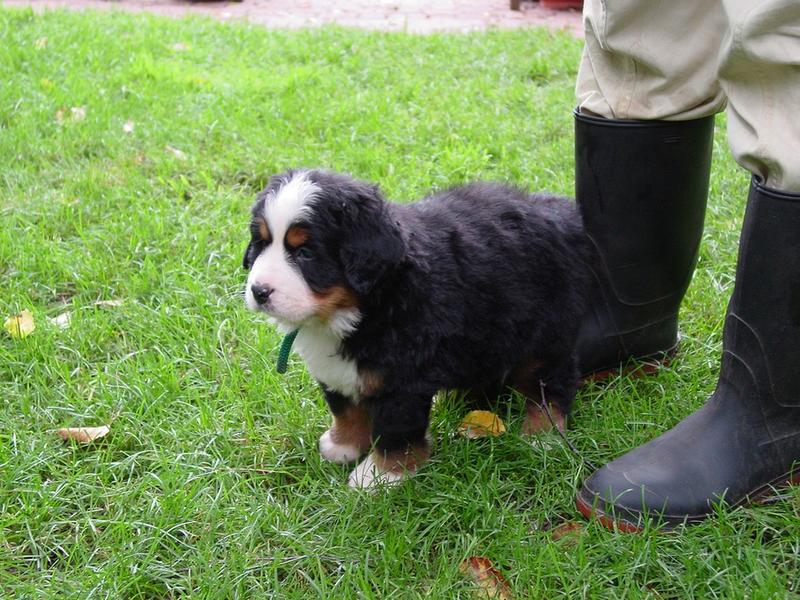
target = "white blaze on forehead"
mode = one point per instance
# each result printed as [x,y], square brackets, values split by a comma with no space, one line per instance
[290,202]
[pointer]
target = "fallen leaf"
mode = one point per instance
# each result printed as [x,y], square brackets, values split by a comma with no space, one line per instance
[570,530]
[61,320]
[84,435]
[108,303]
[179,154]
[128,127]
[21,325]
[481,423]
[40,43]
[489,579]
[78,113]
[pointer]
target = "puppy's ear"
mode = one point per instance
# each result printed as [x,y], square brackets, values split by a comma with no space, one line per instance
[373,245]
[247,261]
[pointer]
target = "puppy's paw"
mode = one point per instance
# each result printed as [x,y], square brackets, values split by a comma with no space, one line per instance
[337,453]
[369,475]
[389,468]
[348,439]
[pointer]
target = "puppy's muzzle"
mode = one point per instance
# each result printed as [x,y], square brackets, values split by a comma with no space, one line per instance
[261,293]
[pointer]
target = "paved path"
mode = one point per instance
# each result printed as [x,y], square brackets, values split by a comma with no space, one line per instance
[417,16]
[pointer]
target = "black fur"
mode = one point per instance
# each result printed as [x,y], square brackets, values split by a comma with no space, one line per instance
[477,287]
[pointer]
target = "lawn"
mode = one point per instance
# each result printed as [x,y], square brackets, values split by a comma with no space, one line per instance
[130,150]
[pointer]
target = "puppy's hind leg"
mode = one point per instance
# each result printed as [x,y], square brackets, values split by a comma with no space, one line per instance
[348,438]
[560,379]
[399,434]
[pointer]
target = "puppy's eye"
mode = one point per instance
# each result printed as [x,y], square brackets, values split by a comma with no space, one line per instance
[303,253]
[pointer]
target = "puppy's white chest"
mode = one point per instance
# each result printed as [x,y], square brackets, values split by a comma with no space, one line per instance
[318,346]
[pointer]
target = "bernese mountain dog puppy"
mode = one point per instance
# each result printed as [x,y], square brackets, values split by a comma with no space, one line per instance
[477,288]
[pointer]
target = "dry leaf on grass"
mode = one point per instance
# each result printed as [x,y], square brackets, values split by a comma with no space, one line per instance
[61,320]
[569,531]
[40,43]
[21,325]
[179,154]
[108,303]
[489,579]
[84,435]
[76,115]
[481,423]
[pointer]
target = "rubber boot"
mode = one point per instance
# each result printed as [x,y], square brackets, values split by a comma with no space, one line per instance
[743,443]
[641,187]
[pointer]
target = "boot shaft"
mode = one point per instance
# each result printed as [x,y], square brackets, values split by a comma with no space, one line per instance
[762,325]
[642,188]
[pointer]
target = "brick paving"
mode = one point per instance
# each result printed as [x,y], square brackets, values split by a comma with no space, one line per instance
[415,16]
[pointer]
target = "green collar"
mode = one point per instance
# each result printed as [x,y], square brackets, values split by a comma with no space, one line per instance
[283,353]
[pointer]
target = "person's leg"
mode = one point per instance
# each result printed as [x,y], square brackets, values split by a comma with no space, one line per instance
[651,60]
[760,73]
[647,92]
[746,440]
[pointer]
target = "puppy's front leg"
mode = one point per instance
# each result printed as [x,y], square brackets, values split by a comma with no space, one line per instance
[400,443]
[349,436]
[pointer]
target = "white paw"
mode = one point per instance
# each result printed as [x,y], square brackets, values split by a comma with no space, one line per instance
[368,475]
[337,453]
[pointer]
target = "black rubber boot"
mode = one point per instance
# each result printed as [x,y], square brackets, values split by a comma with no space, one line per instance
[641,187]
[744,441]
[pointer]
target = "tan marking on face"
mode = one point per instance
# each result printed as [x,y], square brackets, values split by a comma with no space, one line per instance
[402,461]
[536,419]
[263,230]
[337,297]
[296,236]
[369,382]
[352,428]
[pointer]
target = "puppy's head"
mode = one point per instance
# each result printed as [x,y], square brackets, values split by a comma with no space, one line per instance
[320,244]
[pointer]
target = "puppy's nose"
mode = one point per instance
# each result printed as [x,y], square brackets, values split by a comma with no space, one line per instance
[261,293]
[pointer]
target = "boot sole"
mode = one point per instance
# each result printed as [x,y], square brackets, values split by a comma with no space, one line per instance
[763,495]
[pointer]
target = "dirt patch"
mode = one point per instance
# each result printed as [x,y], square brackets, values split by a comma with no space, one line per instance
[415,16]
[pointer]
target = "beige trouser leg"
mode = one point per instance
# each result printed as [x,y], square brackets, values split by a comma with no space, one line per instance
[651,59]
[681,59]
[760,74]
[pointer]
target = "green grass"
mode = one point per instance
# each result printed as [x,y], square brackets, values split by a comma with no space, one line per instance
[210,484]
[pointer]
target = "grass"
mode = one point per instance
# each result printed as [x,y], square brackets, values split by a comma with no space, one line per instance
[210,484]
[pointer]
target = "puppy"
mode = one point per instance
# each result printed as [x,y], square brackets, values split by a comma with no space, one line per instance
[477,288]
